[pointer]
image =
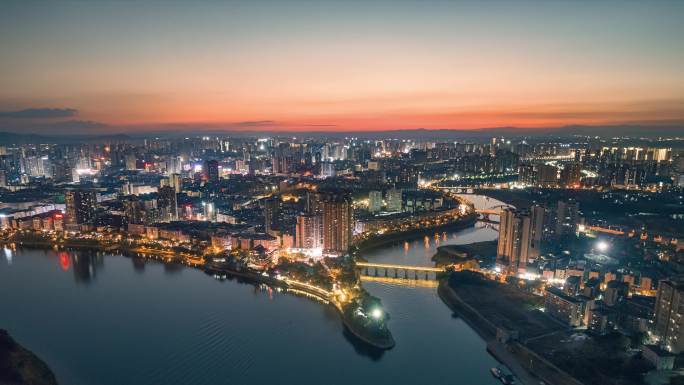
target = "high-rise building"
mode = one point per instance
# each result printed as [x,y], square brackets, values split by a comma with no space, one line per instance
[533,232]
[308,231]
[327,169]
[571,174]
[281,159]
[669,315]
[80,206]
[174,165]
[131,162]
[337,222]
[225,145]
[209,211]
[133,209]
[62,172]
[394,199]
[510,236]
[567,218]
[313,202]
[176,182]
[375,201]
[211,171]
[527,174]
[167,204]
[36,166]
[271,213]
[520,235]
[151,213]
[547,175]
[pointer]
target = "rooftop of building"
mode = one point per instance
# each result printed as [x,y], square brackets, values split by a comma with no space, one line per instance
[559,293]
[660,352]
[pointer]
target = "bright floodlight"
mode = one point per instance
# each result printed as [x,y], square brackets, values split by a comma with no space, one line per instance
[601,246]
[376,313]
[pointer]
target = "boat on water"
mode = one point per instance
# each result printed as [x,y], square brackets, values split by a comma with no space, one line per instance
[506,379]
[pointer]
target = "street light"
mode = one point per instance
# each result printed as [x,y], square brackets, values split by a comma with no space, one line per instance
[376,313]
[602,246]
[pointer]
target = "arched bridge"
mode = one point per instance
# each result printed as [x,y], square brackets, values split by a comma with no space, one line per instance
[399,271]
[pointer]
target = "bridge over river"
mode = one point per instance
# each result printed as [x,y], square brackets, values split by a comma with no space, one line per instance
[399,271]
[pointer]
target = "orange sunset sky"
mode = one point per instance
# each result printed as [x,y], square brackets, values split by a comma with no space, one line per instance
[340,65]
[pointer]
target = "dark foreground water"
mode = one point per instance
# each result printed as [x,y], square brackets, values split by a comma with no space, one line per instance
[112,320]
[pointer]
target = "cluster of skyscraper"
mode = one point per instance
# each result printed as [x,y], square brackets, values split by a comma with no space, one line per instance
[521,232]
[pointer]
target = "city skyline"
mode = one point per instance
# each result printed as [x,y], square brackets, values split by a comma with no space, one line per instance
[342,192]
[105,67]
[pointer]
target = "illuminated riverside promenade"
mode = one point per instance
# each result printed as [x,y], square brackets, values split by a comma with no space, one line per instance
[214,331]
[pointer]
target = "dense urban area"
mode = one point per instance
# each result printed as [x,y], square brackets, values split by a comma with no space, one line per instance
[582,286]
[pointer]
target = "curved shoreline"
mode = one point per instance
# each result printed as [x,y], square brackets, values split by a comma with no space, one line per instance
[346,321]
[384,345]
[247,274]
[19,366]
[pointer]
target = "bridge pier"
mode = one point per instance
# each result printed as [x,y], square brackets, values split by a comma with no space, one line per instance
[389,270]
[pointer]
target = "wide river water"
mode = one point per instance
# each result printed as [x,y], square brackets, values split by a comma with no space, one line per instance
[110,320]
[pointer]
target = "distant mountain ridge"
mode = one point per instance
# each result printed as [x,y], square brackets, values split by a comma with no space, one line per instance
[16,138]
[481,133]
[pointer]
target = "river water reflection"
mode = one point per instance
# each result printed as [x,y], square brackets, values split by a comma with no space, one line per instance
[111,320]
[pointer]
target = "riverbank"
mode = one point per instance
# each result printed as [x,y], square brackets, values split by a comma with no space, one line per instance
[388,239]
[510,320]
[19,366]
[382,342]
[529,342]
[451,254]
[486,330]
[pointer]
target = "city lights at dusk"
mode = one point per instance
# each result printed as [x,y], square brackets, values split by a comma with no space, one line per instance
[438,192]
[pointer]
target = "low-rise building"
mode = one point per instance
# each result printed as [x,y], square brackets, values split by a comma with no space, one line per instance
[601,320]
[565,308]
[615,292]
[592,288]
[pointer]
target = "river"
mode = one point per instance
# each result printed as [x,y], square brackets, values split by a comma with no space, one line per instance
[110,320]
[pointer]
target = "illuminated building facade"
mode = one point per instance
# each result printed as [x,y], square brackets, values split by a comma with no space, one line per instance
[669,315]
[80,206]
[520,236]
[337,222]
